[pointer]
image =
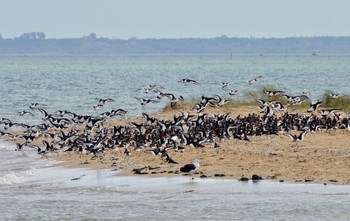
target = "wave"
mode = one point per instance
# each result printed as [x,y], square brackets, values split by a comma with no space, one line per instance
[13,178]
[6,145]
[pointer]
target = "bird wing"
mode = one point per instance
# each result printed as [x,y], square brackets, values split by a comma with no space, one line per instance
[110,100]
[290,136]
[188,168]
[302,135]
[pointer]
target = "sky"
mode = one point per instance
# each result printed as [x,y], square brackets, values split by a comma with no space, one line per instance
[175,18]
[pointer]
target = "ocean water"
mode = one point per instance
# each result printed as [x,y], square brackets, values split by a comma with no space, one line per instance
[77,83]
[30,189]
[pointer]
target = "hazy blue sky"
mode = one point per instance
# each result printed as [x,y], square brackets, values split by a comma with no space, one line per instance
[176,18]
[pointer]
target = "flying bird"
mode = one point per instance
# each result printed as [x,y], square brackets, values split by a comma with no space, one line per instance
[147,101]
[296,138]
[254,80]
[22,113]
[314,106]
[102,102]
[188,81]
[233,92]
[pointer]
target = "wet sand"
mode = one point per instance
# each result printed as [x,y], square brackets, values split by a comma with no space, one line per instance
[323,157]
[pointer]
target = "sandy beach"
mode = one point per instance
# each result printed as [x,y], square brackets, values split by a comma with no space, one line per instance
[322,157]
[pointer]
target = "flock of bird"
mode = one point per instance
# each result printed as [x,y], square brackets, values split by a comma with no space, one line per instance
[65,131]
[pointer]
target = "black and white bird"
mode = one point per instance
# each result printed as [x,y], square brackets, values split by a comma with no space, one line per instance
[173,99]
[102,102]
[278,106]
[233,92]
[254,80]
[273,93]
[19,146]
[306,93]
[147,101]
[22,113]
[220,101]
[36,105]
[263,102]
[150,88]
[188,81]
[190,168]
[296,138]
[334,95]
[170,160]
[326,112]
[314,106]
[224,85]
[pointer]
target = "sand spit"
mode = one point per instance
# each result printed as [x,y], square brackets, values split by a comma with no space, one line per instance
[322,157]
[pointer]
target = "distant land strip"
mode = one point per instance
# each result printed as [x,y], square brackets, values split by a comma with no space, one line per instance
[36,44]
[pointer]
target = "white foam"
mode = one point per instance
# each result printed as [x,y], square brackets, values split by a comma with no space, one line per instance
[6,145]
[12,178]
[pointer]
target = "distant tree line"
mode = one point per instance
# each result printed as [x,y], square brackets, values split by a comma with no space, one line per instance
[35,43]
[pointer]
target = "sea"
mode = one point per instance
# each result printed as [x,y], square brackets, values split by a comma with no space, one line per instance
[33,188]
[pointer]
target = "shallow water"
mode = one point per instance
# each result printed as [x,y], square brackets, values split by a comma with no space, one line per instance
[30,189]
[34,190]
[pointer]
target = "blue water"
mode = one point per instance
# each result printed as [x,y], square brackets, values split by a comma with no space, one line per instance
[77,83]
[31,191]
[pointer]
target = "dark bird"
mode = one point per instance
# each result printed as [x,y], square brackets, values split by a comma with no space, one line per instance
[296,138]
[147,101]
[173,99]
[188,81]
[148,118]
[326,112]
[19,146]
[233,92]
[127,152]
[102,102]
[263,102]
[314,106]
[224,85]
[170,160]
[36,105]
[190,168]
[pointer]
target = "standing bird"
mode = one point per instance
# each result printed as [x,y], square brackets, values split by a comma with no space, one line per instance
[190,168]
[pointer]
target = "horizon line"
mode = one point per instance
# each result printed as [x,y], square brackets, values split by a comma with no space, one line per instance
[95,36]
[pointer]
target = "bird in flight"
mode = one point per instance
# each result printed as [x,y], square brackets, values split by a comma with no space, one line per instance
[254,80]
[188,81]
[297,138]
[102,102]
